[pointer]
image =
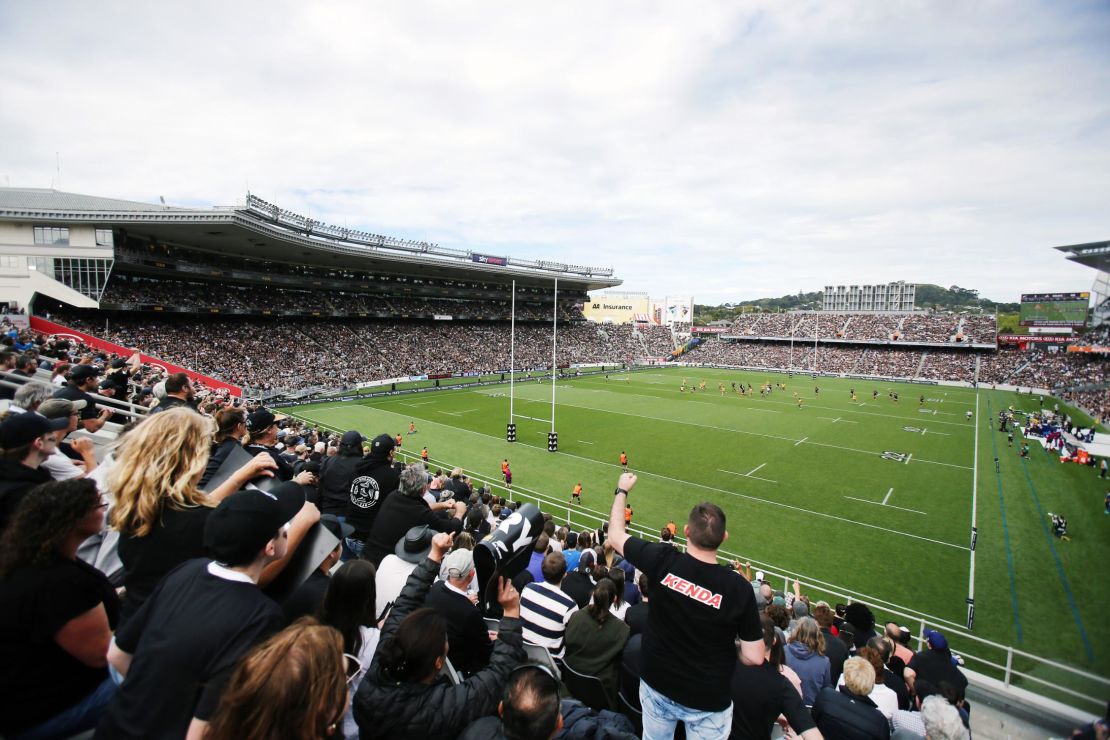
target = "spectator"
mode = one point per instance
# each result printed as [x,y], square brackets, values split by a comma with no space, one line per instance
[545,608]
[371,490]
[26,442]
[159,511]
[179,393]
[936,665]
[231,428]
[57,614]
[179,649]
[82,381]
[847,712]
[595,639]
[761,693]
[395,568]
[886,673]
[80,461]
[530,710]
[579,585]
[469,646]
[28,397]
[262,438]
[349,607]
[399,697]
[620,606]
[307,599]
[539,551]
[698,608]
[805,654]
[862,620]
[338,474]
[293,685]
[835,649]
[942,720]
[637,615]
[402,512]
[883,696]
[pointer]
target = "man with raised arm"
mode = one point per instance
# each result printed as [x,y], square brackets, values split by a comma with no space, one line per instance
[698,609]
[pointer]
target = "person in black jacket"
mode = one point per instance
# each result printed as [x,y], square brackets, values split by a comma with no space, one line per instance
[467,634]
[231,427]
[848,713]
[377,480]
[338,472]
[406,509]
[26,441]
[402,695]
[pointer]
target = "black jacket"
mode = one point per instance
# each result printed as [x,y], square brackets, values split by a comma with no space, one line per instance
[385,708]
[283,471]
[845,716]
[579,723]
[16,479]
[336,475]
[375,483]
[398,515]
[469,646]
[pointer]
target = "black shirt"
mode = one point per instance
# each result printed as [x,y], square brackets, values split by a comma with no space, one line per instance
[16,479]
[398,515]
[469,646]
[759,695]
[178,536]
[307,599]
[72,393]
[578,586]
[185,642]
[935,666]
[41,679]
[697,611]
[283,471]
[369,490]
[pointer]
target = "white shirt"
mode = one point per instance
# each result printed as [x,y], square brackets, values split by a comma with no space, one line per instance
[61,467]
[390,580]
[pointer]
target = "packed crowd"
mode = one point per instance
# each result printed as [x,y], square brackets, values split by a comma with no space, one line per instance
[153,593]
[918,327]
[229,298]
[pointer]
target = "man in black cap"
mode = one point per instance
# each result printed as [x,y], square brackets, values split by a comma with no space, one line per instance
[178,651]
[262,425]
[305,601]
[378,478]
[82,382]
[26,441]
[338,472]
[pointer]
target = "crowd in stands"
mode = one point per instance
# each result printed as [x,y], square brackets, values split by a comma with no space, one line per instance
[934,327]
[229,298]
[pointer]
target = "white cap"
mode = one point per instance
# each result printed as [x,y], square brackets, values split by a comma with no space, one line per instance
[759,575]
[457,564]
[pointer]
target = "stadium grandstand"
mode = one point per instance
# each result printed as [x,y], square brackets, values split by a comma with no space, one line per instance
[183,359]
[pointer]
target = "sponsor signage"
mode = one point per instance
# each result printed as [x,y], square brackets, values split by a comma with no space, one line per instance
[1034,338]
[487,259]
[710,329]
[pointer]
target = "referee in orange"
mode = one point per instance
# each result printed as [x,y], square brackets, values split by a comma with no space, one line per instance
[624,459]
[576,494]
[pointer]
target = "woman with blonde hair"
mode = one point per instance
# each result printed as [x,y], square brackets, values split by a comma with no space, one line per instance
[159,511]
[294,685]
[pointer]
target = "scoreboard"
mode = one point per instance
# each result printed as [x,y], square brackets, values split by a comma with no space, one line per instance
[1055,309]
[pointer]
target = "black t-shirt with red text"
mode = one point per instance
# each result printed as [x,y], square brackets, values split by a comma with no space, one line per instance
[697,611]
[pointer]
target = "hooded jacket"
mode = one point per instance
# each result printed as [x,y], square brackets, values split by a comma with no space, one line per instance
[812,668]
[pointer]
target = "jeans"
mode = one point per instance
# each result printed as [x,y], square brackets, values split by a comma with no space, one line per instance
[661,714]
[82,716]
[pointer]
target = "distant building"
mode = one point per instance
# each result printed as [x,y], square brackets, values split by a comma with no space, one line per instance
[895,297]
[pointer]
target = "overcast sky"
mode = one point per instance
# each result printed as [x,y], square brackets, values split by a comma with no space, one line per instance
[722,150]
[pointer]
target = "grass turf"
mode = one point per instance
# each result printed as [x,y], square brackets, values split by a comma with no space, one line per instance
[808,491]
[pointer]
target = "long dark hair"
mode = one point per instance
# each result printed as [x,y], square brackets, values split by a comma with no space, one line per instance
[604,595]
[410,654]
[349,602]
[46,516]
[616,575]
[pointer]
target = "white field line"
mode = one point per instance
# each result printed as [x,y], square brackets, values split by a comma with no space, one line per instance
[585,442]
[748,497]
[803,439]
[919,460]
[405,403]
[974,499]
[887,496]
[889,506]
[756,469]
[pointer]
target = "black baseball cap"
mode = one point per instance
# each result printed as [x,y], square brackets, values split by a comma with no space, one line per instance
[352,439]
[23,429]
[81,372]
[331,522]
[260,419]
[245,521]
[382,443]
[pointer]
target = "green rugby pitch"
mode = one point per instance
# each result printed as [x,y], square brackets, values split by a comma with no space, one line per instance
[869,499]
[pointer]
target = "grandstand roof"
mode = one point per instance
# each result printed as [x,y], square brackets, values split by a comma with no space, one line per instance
[262,230]
[1092,254]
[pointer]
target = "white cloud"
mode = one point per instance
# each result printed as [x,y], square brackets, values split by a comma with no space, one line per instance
[734,151]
